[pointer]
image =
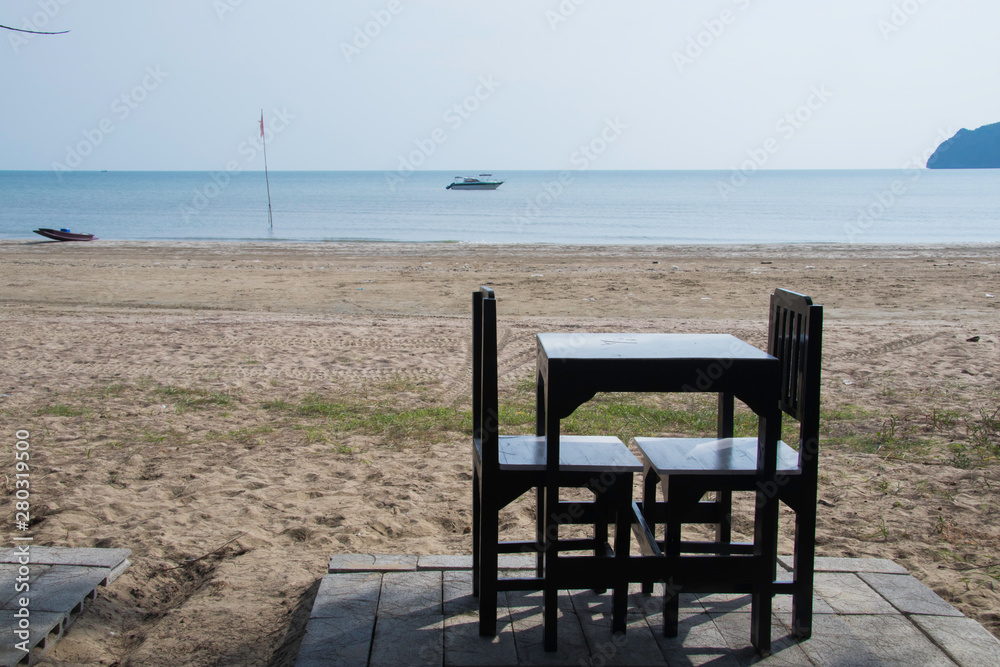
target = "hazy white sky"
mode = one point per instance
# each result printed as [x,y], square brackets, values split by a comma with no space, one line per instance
[474,85]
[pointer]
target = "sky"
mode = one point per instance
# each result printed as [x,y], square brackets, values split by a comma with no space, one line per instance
[492,86]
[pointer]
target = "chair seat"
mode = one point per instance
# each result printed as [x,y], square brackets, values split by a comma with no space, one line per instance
[711,456]
[577,453]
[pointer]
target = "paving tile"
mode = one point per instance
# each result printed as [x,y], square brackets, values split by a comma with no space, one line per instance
[410,622]
[877,640]
[115,561]
[828,564]
[116,572]
[698,641]
[834,643]
[356,592]
[462,643]
[444,562]
[647,605]
[8,580]
[636,645]
[44,629]
[88,557]
[783,604]
[64,589]
[516,562]
[964,640]
[395,562]
[328,641]
[340,628]
[785,651]
[909,595]
[718,603]
[847,593]
[371,563]
[351,563]
[526,614]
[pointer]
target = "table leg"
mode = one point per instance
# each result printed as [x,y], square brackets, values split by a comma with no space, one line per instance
[724,499]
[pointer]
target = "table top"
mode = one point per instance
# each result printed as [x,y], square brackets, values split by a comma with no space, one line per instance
[646,346]
[573,367]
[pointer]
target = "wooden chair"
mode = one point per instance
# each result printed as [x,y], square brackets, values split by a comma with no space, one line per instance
[506,467]
[688,468]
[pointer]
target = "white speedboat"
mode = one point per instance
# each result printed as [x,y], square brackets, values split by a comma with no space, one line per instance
[467,183]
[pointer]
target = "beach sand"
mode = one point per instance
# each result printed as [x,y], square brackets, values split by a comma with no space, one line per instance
[214,407]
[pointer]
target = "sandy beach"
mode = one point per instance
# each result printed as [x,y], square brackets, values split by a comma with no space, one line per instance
[235,413]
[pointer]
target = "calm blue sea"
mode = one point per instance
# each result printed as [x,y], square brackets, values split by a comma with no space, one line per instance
[588,207]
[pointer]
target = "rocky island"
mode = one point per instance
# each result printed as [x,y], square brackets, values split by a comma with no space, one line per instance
[969,149]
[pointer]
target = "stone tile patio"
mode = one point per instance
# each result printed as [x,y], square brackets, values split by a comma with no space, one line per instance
[409,610]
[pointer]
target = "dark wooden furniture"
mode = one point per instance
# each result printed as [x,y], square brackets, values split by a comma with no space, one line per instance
[572,368]
[507,467]
[689,468]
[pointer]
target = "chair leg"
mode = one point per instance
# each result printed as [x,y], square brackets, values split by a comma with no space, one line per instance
[601,529]
[760,619]
[804,568]
[621,497]
[476,527]
[650,480]
[766,549]
[550,589]
[601,524]
[672,547]
[724,529]
[488,569]
[539,531]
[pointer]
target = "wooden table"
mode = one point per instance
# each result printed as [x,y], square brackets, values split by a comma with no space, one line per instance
[573,367]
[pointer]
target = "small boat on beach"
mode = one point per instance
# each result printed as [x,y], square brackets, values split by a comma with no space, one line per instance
[467,183]
[64,235]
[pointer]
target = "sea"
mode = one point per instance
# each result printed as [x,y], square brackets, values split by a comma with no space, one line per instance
[915,206]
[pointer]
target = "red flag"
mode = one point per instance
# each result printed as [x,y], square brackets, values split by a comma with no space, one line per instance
[262,124]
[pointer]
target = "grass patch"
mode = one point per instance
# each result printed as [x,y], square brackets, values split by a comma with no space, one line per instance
[62,410]
[193,399]
[383,419]
[625,420]
[893,437]
[984,432]
[249,435]
[621,415]
[114,390]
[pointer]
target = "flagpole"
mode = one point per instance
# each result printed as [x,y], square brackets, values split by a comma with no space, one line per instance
[270,221]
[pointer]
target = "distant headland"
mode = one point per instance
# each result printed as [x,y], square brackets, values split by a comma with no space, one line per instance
[969,149]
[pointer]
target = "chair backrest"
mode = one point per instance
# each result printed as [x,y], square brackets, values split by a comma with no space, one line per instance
[795,333]
[485,400]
